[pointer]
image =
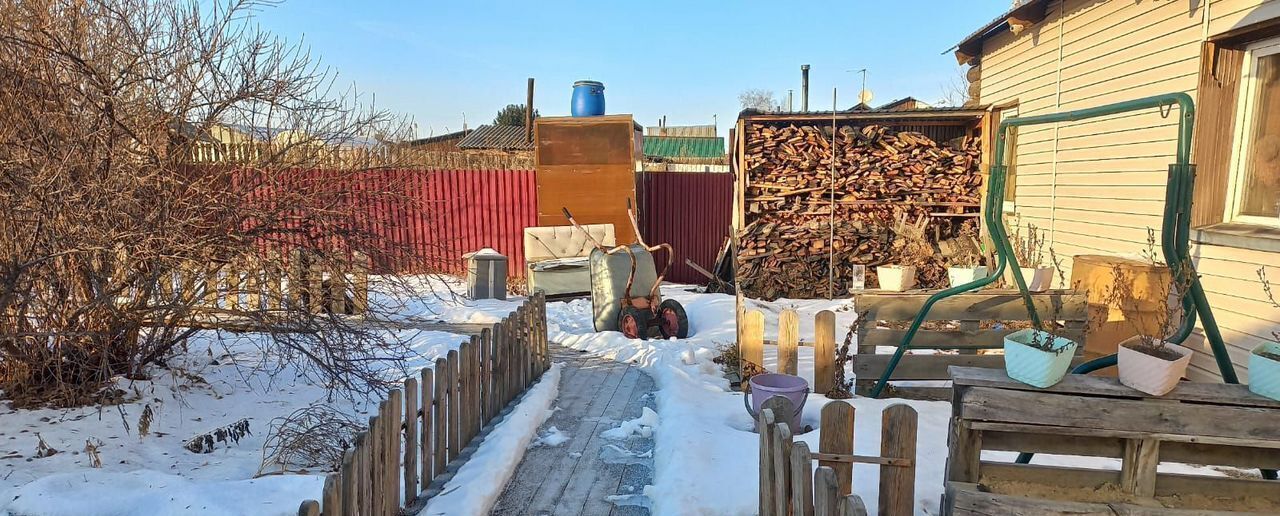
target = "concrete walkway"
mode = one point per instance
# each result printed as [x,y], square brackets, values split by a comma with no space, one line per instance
[588,474]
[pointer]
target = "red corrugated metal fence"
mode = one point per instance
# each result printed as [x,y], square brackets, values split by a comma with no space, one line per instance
[689,210]
[466,210]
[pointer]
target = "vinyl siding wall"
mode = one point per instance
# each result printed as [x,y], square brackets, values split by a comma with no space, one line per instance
[1096,186]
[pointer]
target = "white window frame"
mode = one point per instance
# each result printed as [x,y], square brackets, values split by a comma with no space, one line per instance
[1245,111]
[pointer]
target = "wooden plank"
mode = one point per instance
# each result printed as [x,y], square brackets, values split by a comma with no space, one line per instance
[363,444]
[427,436]
[801,480]
[825,492]
[782,468]
[395,407]
[824,352]
[765,424]
[347,475]
[486,377]
[836,438]
[898,440]
[851,505]
[441,418]
[964,449]
[466,413]
[1167,484]
[373,463]
[920,367]
[455,404]
[788,339]
[1168,438]
[989,338]
[968,500]
[498,338]
[1085,445]
[989,404]
[1138,466]
[411,439]
[1195,392]
[999,305]
[751,346]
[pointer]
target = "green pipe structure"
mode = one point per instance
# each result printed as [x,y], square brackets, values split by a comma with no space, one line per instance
[1175,233]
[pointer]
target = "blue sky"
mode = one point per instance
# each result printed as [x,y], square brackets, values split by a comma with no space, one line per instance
[687,60]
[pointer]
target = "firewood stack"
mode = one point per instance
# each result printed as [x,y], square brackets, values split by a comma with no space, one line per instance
[879,175]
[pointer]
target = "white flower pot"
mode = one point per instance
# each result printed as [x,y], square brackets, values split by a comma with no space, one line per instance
[961,275]
[1150,374]
[1038,279]
[898,278]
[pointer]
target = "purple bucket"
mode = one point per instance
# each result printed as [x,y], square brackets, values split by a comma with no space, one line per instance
[765,386]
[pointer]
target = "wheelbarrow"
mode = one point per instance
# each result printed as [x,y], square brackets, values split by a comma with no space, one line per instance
[641,315]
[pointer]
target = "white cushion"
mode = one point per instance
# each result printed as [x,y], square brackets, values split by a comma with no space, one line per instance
[558,242]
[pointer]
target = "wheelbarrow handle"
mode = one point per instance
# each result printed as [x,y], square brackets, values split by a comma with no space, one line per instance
[567,215]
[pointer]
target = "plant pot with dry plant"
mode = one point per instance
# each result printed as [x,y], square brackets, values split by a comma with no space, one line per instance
[1264,360]
[911,249]
[1031,252]
[1147,361]
[1038,358]
[965,263]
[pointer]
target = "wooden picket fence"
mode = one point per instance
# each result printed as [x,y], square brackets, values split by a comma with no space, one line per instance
[424,432]
[790,486]
[751,342]
[220,291]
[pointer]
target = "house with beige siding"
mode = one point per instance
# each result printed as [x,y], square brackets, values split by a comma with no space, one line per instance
[1096,186]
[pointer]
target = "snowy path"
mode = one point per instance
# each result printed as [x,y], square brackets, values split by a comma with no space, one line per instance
[574,469]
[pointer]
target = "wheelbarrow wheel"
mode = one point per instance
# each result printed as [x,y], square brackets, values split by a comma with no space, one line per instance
[672,321]
[634,323]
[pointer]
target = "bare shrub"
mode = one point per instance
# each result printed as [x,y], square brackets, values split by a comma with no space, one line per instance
[104,105]
[309,438]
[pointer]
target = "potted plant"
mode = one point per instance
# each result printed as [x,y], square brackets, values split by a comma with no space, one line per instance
[965,262]
[1147,362]
[910,249]
[1030,252]
[1264,360]
[1038,357]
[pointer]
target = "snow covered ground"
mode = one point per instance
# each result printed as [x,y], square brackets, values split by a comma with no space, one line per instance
[704,459]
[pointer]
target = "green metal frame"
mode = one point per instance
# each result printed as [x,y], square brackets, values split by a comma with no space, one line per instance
[1175,233]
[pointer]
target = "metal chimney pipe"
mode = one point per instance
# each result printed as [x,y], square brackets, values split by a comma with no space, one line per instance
[528,114]
[804,87]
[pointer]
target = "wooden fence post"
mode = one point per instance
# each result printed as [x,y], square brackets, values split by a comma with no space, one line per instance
[764,427]
[486,376]
[837,438]
[360,282]
[331,501]
[441,419]
[375,446]
[315,285]
[824,492]
[309,508]
[851,505]
[898,440]
[272,274]
[428,429]
[348,475]
[467,393]
[499,365]
[751,347]
[801,479]
[782,468]
[336,294]
[366,470]
[211,284]
[788,339]
[297,278]
[455,405]
[824,352]
[235,285]
[410,439]
[392,454]
[253,283]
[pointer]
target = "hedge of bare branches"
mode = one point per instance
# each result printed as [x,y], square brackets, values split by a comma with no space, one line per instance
[102,103]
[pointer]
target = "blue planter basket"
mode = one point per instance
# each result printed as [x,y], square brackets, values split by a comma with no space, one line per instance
[1264,373]
[1032,366]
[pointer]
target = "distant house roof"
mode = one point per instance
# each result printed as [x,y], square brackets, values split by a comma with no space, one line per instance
[497,137]
[903,104]
[702,131]
[456,135]
[683,147]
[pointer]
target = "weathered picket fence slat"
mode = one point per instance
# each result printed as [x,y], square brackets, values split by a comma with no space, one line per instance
[751,343]
[422,433]
[791,486]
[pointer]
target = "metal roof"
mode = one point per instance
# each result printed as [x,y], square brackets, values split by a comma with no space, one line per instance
[684,147]
[501,137]
[441,137]
[971,45]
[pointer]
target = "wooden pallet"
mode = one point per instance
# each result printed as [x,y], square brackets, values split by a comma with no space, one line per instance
[968,311]
[1197,423]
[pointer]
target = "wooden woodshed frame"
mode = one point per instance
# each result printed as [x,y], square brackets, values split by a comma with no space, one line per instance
[587,164]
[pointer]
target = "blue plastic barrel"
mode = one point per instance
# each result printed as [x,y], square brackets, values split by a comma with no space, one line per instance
[588,98]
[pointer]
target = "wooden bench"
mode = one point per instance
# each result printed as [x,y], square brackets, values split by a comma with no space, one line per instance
[1197,423]
[969,312]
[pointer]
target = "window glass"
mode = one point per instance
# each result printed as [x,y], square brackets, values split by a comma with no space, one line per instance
[1260,163]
